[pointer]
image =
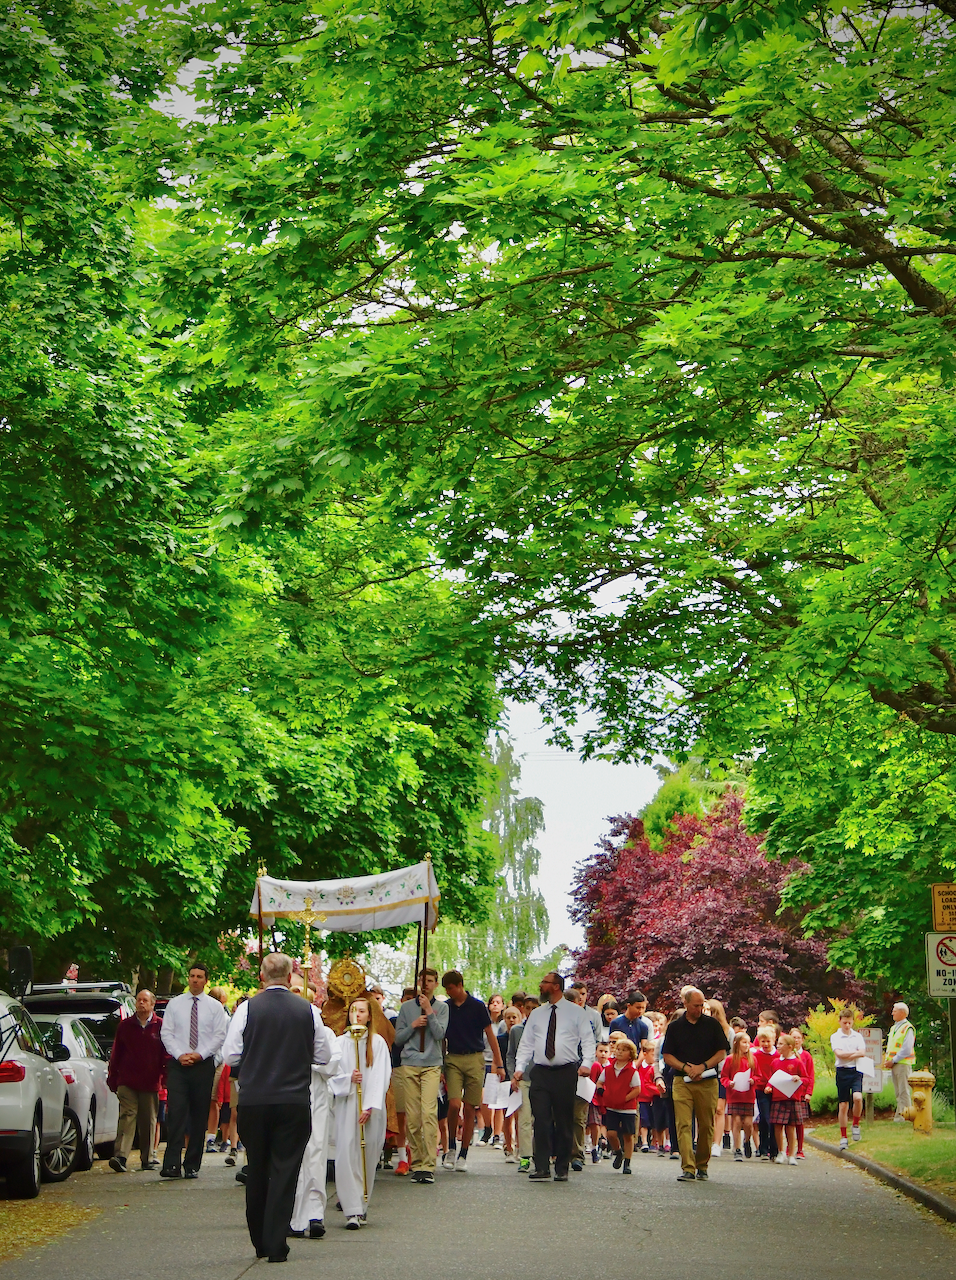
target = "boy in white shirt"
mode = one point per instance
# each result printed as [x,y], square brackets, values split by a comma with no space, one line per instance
[848,1047]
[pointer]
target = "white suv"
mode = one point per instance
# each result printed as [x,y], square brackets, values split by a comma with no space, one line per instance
[32,1094]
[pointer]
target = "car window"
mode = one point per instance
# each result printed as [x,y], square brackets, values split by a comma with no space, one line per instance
[88,1041]
[28,1037]
[50,1030]
[102,1026]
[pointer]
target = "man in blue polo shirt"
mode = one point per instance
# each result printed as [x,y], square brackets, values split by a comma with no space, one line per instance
[631,1021]
[469,1026]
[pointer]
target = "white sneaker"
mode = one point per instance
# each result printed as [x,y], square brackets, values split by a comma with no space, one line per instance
[715,1151]
[855,1130]
[353,1223]
[448,1160]
[510,1158]
[844,1143]
[461,1164]
[781,1159]
[793,1160]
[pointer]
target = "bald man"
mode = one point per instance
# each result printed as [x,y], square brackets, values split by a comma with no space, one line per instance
[694,1046]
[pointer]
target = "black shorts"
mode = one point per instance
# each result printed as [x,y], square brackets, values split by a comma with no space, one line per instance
[848,1082]
[620,1121]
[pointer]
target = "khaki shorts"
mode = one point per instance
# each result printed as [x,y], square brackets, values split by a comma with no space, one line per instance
[465,1077]
[398,1088]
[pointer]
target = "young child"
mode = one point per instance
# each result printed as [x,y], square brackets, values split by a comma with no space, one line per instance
[809,1075]
[763,1069]
[622,1086]
[650,1092]
[602,1056]
[373,1072]
[784,1110]
[740,1102]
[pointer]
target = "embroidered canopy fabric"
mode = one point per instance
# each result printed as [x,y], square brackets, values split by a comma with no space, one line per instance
[353,906]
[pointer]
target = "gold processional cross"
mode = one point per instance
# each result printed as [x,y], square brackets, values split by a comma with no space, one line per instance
[308,918]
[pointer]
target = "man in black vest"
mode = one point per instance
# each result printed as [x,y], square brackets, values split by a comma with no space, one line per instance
[276,1036]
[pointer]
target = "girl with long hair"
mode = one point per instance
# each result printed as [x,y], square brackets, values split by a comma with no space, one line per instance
[364,1060]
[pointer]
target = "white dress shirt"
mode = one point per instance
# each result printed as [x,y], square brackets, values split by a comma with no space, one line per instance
[213,1021]
[848,1042]
[323,1045]
[573,1038]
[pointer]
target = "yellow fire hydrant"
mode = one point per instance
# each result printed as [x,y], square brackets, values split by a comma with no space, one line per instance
[921,1112]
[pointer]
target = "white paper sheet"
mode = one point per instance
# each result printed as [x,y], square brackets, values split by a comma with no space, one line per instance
[489,1094]
[514,1102]
[741,1081]
[866,1066]
[783,1081]
[504,1095]
[586,1088]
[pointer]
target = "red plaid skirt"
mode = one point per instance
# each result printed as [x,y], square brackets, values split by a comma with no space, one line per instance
[789,1111]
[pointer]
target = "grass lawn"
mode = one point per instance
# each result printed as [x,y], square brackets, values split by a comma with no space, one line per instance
[928,1160]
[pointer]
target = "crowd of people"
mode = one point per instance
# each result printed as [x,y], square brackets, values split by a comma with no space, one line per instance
[552,1082]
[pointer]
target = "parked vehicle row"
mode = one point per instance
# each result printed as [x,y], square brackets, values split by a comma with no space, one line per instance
[56,1108]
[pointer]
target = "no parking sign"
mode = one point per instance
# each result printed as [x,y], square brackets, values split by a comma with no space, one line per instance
[941,964]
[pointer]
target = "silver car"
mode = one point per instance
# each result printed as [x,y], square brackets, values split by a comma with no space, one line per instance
[33,1114]
[84,1071]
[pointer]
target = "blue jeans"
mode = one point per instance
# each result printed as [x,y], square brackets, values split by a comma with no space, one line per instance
[767,1145]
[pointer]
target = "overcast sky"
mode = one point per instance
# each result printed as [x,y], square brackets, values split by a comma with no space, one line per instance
[578,797]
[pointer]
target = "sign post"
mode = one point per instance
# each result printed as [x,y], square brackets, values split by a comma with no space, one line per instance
[873,1039]
[941,967]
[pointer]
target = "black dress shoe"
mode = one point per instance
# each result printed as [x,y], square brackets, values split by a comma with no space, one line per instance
[297,1235]
[536,1176]
[190,1173]
[561,1177]
[170,1173]
[316,1229]
[242,1176]
[278,1257]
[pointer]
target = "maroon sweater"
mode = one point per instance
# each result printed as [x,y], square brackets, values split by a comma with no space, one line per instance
[138,1059]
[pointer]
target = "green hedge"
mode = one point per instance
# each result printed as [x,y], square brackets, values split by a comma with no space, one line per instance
[823,1100]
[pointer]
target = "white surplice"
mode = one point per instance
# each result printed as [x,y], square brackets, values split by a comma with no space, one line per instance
[348,1150]
[310,1189]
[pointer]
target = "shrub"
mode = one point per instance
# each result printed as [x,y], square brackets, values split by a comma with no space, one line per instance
[820,1026]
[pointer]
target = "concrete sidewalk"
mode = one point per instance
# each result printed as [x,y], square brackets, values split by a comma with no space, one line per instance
[820,1218]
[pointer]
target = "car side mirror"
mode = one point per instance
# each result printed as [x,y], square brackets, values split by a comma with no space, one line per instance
[58,1053]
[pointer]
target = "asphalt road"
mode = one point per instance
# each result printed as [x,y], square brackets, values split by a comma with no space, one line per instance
[820,1220]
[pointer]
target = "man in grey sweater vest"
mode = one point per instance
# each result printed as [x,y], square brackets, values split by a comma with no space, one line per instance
[276,1037]
[419,1032]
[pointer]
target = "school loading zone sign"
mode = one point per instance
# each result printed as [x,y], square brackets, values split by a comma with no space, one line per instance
[941,964]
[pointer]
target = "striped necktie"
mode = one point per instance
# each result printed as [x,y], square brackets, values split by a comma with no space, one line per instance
[194,1024]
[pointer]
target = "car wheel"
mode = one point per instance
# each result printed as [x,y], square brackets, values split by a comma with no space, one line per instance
[23,1178]
[84,1157]
[58,1163]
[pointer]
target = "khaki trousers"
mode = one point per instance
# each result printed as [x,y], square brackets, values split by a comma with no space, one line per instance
[525,1122]
[901,1083]
[578,1128]
[698,1102]
[421,1115]
[137,1111]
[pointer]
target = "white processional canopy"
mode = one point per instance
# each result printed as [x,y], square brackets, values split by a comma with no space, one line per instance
[406,896]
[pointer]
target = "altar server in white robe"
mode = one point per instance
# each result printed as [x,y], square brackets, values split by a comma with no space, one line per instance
[373,1073]
[308,1215]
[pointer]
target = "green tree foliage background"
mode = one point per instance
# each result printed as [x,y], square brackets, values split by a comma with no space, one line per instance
[623,331]
[177,706]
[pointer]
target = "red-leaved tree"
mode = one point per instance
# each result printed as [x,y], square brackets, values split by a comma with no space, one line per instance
[704,911]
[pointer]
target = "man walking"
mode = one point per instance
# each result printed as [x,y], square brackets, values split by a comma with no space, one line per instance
[278,1037]
[557,1046]
[694,1046]
[423,1020]
[632,1021]
[135,1073]
[193,1029]
[900,1056]
[469,1022]
[848,1048]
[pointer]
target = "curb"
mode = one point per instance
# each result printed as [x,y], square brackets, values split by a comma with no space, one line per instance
[932,1200]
